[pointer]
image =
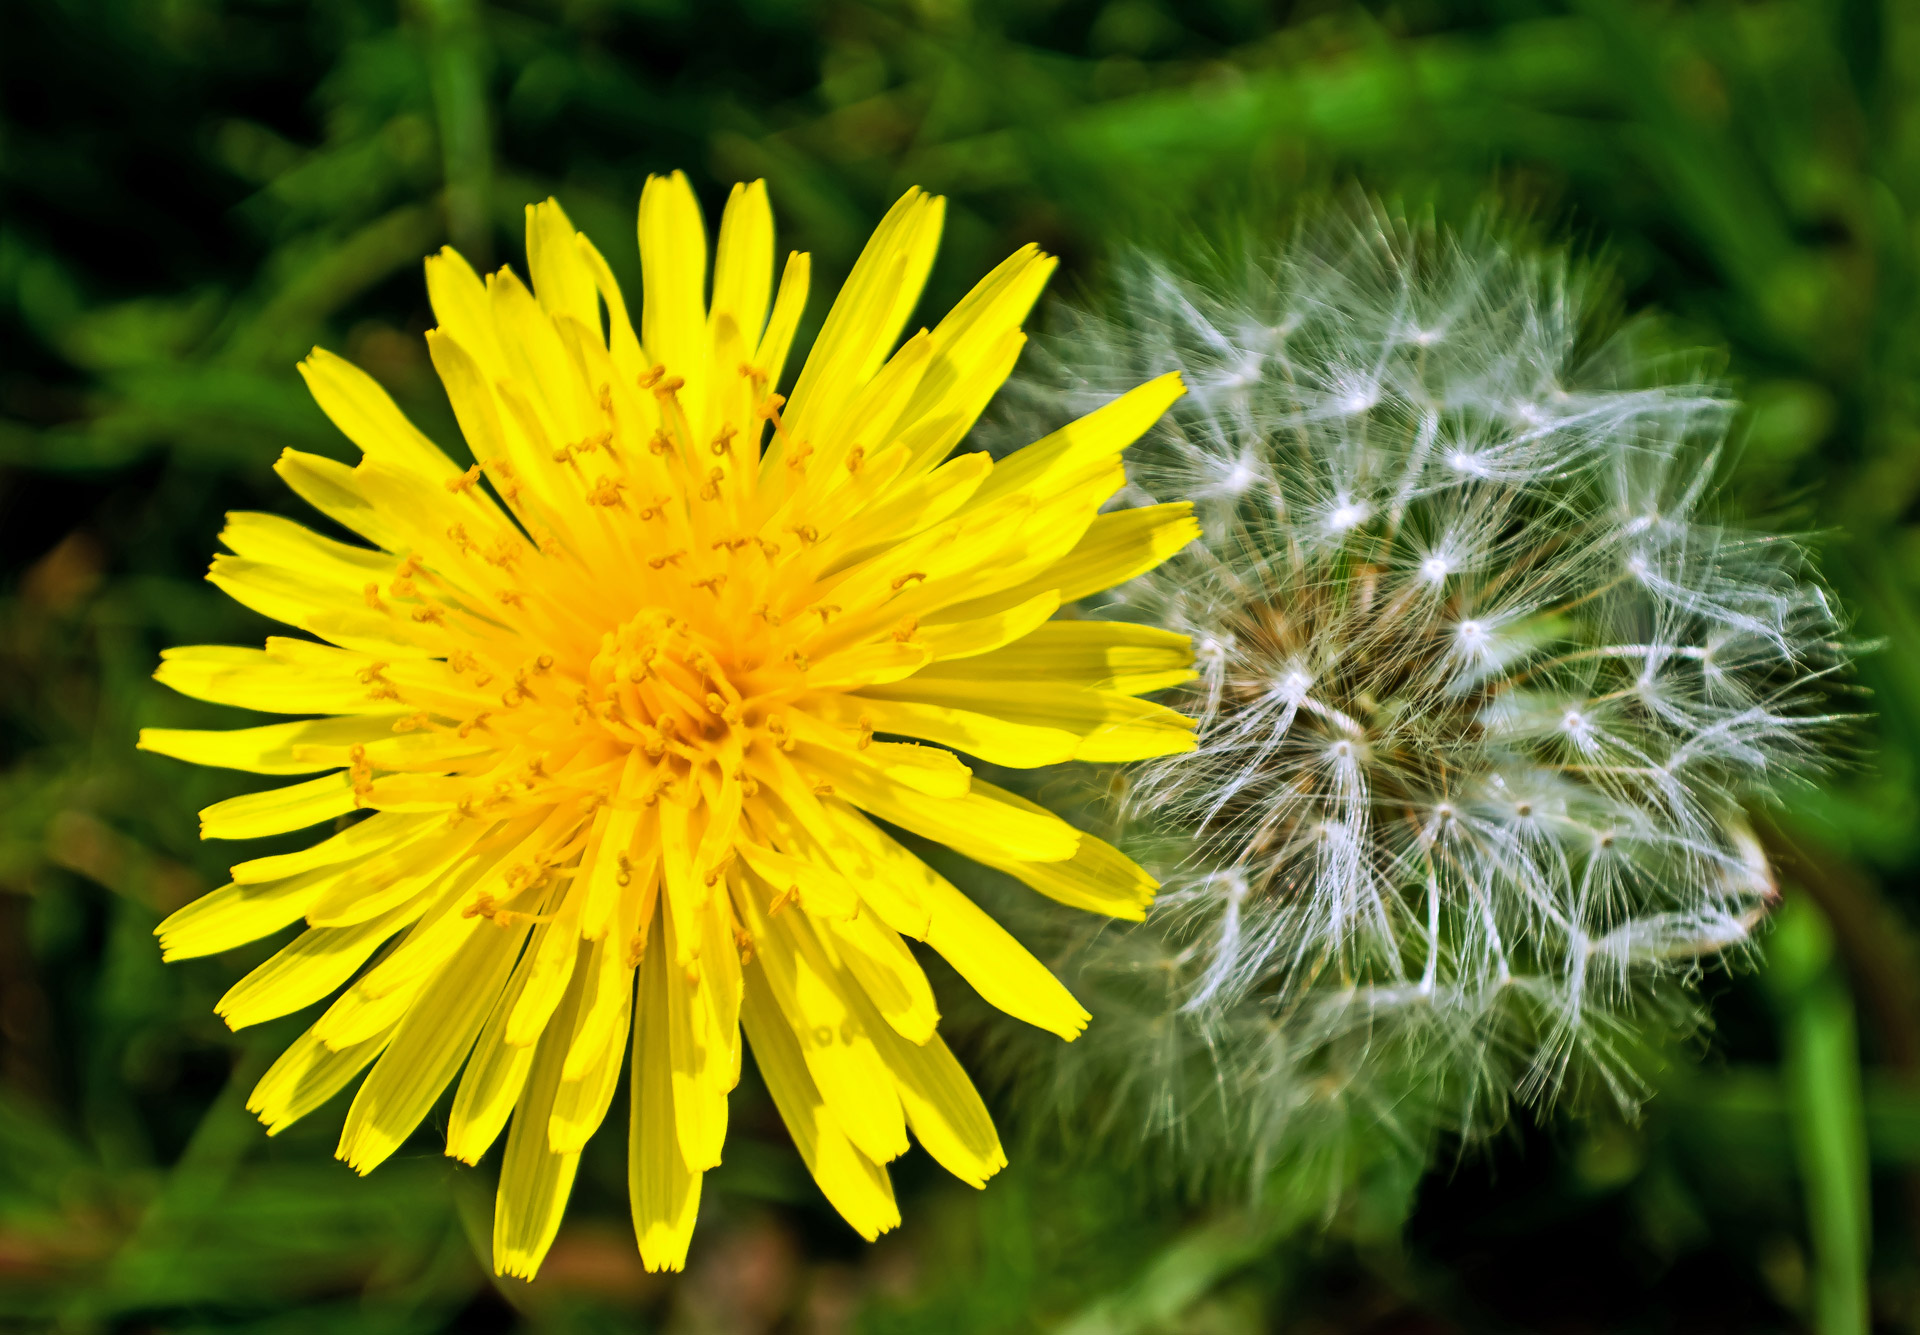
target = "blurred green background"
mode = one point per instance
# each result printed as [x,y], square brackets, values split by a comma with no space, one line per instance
[197,191]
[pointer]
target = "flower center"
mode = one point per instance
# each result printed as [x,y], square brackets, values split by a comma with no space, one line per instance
[661,684]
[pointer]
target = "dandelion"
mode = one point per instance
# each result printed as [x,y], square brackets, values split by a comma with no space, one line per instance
[1482,690]
[601,720]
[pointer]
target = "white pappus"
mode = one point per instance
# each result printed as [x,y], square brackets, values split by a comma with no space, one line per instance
[1483,685]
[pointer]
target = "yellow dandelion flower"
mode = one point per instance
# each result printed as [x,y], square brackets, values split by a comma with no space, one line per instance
[612,700]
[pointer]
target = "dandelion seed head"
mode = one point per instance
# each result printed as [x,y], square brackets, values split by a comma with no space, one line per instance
[1484,682]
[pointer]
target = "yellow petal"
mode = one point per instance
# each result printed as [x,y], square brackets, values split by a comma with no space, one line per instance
[556,952]
[236,914]
[998,967]
[1100,655]
[941,1104]
[855,1185]
[1098,877]
[470,393]
[428,1047]
[460,305]
[252,679]
[278,810]
[598,1049]
[890,879]
[788,305]
[840,1056]
[673,270]
[948,820]
[368,416]
[1101,433]
[889,976]
[389,880]
[561,276]
[911,508]
[869,312]
[535,1182]
[328,486]
[743,260]
[993,739]
[944,1109]
[377,833]
[272,540]
[623,344]
[1107,725]
[663,1191]
[1115,548]
[497,1071]
[822,890]
[269,749]
[314,964]
[975,345]
[307,1075]
[694,1055]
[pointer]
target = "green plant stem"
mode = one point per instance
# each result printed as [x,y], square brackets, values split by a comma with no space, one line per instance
[1822,1067]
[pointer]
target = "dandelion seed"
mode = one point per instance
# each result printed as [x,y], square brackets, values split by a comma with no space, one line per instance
[602,741]
[1485,687]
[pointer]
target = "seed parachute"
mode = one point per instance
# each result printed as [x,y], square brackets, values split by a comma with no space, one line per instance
[1488,678]
[599,718]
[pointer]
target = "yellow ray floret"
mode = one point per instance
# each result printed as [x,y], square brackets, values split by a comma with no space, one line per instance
[623,700]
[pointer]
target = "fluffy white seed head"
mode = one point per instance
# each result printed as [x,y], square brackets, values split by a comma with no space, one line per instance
[1482,684]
